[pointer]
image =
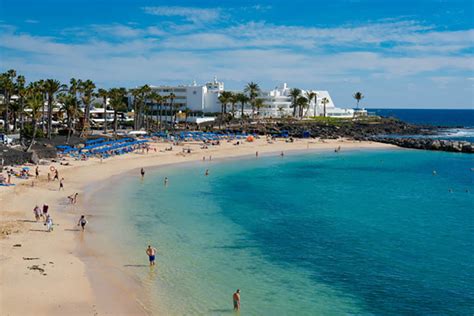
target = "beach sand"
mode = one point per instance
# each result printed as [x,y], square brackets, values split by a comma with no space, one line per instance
[54,273]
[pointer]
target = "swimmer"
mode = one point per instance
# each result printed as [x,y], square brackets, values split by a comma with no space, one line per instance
[207,172]
[434,172]
[282,154]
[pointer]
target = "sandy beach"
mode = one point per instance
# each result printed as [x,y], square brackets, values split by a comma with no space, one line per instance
[45,273]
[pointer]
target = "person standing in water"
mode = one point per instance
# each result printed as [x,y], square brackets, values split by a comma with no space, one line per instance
[236,300]
[151,252]
[82,222]
[207,172]
[166,181]
[142,172]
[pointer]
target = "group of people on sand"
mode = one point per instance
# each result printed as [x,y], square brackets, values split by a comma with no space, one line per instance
[43,214]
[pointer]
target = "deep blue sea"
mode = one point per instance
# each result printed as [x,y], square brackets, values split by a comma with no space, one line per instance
[357,232]
[459,124]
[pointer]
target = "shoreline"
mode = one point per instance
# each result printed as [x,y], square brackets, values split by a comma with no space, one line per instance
[70,271]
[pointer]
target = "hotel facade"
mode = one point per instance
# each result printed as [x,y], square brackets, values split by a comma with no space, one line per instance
[204,99]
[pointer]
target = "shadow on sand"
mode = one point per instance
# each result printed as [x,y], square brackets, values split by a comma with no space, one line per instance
[135,265]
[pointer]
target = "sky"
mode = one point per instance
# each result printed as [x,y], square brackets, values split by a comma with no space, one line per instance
[399,54]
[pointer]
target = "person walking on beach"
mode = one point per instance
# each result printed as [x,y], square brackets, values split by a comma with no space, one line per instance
[142,172]
[37,172]
[236,300]
[61,184]
[37,212]
[49,223]
[49,177]
[45,211]
[56,175]
[151,252]
[82,222]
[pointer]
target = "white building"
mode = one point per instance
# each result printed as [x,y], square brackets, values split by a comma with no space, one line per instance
[198,98]
[277,102]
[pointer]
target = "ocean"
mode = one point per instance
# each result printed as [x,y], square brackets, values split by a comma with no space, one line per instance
[458,124]
[369,232]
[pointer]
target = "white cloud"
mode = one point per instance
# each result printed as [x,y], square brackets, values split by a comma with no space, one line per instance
[399,53]
[195,15]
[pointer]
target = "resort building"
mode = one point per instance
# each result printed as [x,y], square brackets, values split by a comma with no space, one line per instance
[197,98]
[277,103]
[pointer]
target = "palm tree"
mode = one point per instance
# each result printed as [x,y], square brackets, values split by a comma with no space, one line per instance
[8,88]
[223,99]
[233,100]
[243,99]
[51,87]
[117,103]
[86,89]
[163,102]
[252,89]
[34,101]
[136,104]
[302,103]
[102,93]
[171,97]
[144,92]
[21,91]
[227,98]
[259,103]
[324,101]
[68,106]
[15,110]
[186,112]
[310,95]
[294,93]
[358,96]
[155,98]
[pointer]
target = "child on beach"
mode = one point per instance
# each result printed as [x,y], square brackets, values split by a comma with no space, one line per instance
[82,222]
[49,223]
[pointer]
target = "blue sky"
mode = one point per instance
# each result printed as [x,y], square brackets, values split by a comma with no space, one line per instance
[403,54]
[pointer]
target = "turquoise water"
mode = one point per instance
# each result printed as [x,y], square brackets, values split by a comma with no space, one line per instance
[361,232]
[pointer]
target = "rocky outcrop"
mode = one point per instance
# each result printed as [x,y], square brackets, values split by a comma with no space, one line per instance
[428,144]
[335,129]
